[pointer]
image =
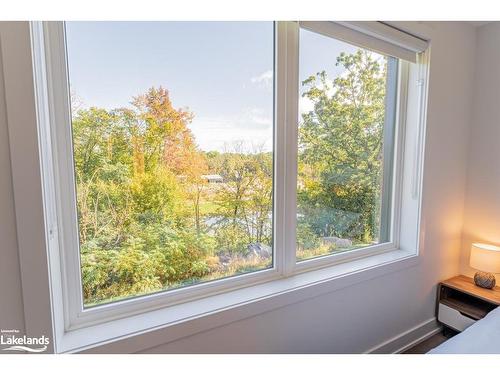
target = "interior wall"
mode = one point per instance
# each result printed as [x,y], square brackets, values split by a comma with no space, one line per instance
[364,315]
[11,298]
[482,203]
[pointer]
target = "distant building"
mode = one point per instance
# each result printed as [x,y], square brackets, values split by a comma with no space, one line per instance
[213,178]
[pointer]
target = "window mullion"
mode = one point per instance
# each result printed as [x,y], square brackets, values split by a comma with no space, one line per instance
[291,144]
[388,149]
[279,144]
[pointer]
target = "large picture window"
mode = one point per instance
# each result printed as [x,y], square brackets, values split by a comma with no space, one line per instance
[188,163]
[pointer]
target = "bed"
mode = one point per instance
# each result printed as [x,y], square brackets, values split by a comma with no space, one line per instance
[483,337]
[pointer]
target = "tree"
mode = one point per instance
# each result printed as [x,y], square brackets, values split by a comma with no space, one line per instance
[167,140]
[101,154]
[244,201]
[341,148]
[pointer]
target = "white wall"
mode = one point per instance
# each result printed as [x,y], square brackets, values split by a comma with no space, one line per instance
[482,205]
[362,316]
[11,302]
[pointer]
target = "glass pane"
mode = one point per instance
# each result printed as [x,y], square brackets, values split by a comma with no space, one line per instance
[173,145]
[340,157]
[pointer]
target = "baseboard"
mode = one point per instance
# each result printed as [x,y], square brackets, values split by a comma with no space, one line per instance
[407,339]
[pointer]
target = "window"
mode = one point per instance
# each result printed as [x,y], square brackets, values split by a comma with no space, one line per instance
[181,160]
[173,154]
[347,101]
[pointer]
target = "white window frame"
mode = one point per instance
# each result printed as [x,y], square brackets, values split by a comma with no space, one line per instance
[55,144]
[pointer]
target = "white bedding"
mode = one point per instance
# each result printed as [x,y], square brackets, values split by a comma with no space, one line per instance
[483,337]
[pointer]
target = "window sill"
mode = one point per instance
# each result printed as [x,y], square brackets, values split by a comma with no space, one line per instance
[174,322]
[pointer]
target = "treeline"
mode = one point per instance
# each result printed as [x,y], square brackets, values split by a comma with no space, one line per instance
[143,197]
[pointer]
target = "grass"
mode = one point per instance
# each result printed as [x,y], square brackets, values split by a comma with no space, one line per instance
[238,266]
[315,252]
[323,250]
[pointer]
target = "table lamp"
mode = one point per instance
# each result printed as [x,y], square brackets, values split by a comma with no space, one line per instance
[486,259]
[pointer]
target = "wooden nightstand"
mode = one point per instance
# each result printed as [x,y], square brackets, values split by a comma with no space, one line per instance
[461,303]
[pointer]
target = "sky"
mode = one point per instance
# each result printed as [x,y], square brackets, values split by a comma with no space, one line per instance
[221,71]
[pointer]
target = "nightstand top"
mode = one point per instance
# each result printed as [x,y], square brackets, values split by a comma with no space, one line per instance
[466,284]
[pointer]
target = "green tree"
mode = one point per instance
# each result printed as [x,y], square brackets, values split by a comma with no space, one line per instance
[101,155]
[340,151]
[244,201]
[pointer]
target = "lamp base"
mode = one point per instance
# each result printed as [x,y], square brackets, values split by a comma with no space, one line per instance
[485,280]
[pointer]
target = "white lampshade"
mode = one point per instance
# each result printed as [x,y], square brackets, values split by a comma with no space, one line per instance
[485,257]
